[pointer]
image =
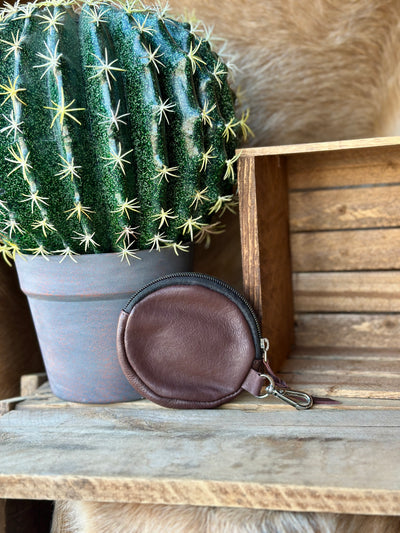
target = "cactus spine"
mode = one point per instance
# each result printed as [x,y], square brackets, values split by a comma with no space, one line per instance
[117,130]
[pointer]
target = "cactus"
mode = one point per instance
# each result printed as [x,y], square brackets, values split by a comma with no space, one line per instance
[117,130]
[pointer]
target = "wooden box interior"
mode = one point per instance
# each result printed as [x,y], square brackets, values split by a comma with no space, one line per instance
[320,235]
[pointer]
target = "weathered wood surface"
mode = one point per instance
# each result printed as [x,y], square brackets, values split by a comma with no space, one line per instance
[376,249]
[249,233]
[337,164]
[380,331]
[349,372]
[30,383]
[360,207]
[272,457]
[265,249]
[323,147]
[343,168]
[368,292]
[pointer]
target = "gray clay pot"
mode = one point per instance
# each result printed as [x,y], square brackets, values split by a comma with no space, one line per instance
[75,309]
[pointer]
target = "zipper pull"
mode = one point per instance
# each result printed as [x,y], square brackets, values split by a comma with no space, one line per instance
[299,400]
[264,343]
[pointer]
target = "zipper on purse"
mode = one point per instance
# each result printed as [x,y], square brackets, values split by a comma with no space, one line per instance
[199,275]
[257,335]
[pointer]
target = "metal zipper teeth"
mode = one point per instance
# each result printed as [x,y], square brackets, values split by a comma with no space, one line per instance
[207,277]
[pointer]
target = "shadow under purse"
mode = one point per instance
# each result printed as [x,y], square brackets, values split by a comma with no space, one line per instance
[191,341]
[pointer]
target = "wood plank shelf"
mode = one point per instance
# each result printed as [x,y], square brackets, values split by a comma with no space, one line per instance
[249,453]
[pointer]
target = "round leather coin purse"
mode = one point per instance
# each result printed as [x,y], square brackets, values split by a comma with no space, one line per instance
[191,341]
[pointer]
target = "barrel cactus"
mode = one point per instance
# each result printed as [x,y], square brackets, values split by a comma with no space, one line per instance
[117,130]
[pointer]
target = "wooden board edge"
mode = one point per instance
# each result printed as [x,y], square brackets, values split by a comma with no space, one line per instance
[267,276]
[30,383]
[249,233]
[319,147]
[203,493]
[10,404]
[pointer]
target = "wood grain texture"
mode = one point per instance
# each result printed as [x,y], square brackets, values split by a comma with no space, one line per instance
[359,375]
[330,209]
[354,367]
[346,372]
[346,250]
[279,459]
[330,146]
[342,386]
[249,233]
[265,250]
[247,402]
[339,292]
[30,383]
[348,330]
[344,354]
[343,168]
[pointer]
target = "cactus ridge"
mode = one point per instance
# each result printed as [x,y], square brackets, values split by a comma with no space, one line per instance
[117,130]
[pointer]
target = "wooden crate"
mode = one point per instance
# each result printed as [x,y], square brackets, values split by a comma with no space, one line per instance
[333,332]
[320,231]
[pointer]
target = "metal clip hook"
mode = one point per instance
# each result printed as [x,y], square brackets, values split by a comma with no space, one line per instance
[304,400]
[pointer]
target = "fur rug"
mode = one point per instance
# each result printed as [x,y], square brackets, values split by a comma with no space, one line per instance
[79,517]
[311,71]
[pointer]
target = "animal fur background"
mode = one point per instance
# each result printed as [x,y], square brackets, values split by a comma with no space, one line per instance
[312,70]
[124,518]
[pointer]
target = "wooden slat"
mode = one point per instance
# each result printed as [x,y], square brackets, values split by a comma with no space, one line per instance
[348,330]
[369,207]
[245,401]
[349,372]
[323,147]
[346,250]
[347,292]
[31,382]
[208,457]
[340,355]
[346,386]
[345,377]
[377,370]
[249,232]
[265,249]
[374,165]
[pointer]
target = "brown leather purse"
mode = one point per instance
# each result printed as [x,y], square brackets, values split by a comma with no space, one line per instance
[191,341]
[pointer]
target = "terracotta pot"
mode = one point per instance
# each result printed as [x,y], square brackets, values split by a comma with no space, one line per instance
[75,309]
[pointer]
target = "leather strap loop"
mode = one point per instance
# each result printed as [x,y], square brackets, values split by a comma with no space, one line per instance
[253,382]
